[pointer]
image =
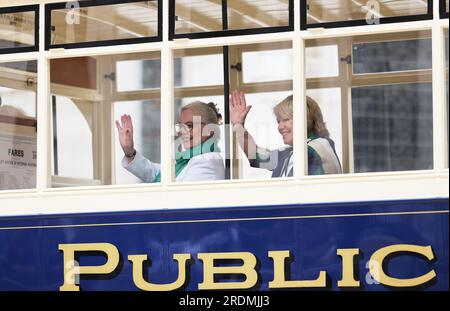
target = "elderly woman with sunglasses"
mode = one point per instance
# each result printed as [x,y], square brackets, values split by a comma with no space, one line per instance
[198,156]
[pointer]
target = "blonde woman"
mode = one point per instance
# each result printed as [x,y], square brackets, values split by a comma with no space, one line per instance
[322,157]
[198,134]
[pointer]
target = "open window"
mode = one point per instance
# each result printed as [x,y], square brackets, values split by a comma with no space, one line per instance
[263,72]
[89,94]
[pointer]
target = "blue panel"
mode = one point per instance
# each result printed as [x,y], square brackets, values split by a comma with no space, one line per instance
[30,259]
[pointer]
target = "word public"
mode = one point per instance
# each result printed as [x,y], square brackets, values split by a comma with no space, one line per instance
[377,268]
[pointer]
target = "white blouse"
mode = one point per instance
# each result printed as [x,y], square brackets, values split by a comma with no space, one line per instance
[204,167]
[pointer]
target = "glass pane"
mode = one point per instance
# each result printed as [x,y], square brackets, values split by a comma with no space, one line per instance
[405,55]
[190,69]
[146,75]
[373,122]
[203,16]
[261,123]
[86,22]
[17,30]
[329,101]
[73,128]
[18,141]
[393,127]
[314,58]
[321,11]
[147,130]
[199,144]
[258,66]
[197,16]
[247,14]
[85,112]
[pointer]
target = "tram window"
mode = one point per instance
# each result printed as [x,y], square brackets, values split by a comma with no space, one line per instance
[87,23]
[383,100]
[263,60]
[73,138]
[249,14]
[320,13]
[393,127]
[18,141]
[199,130]
[262,124]
[190,69]
[91,93]
[314,57]
[404,55]
[205,18]
[147,127]
[151,80]
[329,100]
[18,27]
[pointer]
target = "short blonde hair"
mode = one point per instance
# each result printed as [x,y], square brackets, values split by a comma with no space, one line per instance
[284,110]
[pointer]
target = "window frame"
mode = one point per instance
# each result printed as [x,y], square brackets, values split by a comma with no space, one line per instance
[22,9]
[225,32]
[352,23]
[49,7]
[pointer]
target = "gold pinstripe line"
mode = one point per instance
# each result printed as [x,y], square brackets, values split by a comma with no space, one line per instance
[220,220]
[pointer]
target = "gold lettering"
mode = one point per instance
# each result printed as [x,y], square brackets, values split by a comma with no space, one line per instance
[139,281]
[279,278]
[348,264]
[378,273]
[72,270]
[210,270]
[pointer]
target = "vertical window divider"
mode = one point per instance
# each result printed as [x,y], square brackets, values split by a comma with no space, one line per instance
[43,167]
[226,113]
[167,103]
[299,107]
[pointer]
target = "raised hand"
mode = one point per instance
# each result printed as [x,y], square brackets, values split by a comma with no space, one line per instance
[125,129]
[238,108]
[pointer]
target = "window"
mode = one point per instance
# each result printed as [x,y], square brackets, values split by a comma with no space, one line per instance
[89,95]
[19,29]
[18,141]
[87,23]
[195,19]
[196,86]
[338,13]
[382,96]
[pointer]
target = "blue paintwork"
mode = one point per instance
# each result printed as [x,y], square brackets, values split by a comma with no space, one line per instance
[30,260]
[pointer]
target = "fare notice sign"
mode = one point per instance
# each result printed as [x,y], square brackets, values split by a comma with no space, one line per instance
[17,162]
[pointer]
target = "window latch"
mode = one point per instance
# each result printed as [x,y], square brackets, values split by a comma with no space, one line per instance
[347,59]
[238,67]
[111,76]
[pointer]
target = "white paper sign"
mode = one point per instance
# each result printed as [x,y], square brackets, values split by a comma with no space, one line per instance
[17,162]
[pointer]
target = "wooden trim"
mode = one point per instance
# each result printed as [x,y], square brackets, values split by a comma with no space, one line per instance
[18,121]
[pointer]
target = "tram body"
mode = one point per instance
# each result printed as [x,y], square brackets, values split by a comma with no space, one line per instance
[72,218]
